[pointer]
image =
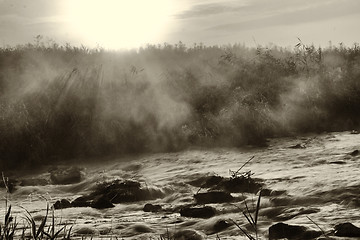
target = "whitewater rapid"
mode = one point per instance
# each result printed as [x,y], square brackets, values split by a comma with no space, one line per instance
[318,175]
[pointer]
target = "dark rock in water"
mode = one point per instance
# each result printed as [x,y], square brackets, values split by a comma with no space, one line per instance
[187,235]
[221,225]
[141,228]
[240,184]
[213,197]
[34,182]
[152,208]
[206,182]
[347,230]
[101,202]
[65,175]
[354,132]
[339,162]
[126,191]
[81,202]
[201,212]
[311,234]
[62,204]
[282,230]
[85,231]
[354,153]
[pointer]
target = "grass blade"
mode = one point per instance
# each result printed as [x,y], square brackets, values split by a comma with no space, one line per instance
[42,225]
[257,208]
[243,231]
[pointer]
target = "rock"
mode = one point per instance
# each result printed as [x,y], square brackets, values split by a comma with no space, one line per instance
[62,204]
[347,230]
[85,231]
[126,191]
[354,132]
[201,212]
[65,175]
[187,235]
[354,153]
[81,202]
[141,228]
[282,230]
[213,197]
[338,162]
[101,202]
[152,208]
[221,225]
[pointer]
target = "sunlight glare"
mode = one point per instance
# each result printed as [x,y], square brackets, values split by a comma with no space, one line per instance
[119,23]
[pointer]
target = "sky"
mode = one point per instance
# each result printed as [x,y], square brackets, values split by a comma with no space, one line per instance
[126,24]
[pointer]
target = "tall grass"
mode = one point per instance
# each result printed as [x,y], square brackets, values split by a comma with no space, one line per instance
[64,102]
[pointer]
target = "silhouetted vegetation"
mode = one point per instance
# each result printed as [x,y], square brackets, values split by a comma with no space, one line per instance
[64,102]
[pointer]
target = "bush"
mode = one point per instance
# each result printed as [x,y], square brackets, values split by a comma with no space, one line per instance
[64,102]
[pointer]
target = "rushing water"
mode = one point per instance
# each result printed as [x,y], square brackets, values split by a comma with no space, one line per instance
[322,182]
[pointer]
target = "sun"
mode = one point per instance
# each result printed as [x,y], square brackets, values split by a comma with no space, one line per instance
[118,24]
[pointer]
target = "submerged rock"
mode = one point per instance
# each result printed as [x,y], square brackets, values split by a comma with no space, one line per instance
[152,208]
[187,235]
[347,230]
[283,230]
[221,225]
[65,175]
[34,182]
[141,228]
[62,204]
[201,212]
[85,231]
[213,197]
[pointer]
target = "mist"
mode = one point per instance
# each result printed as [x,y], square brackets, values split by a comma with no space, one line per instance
[67,103]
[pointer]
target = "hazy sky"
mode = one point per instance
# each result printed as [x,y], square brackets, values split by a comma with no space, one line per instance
[132,23]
